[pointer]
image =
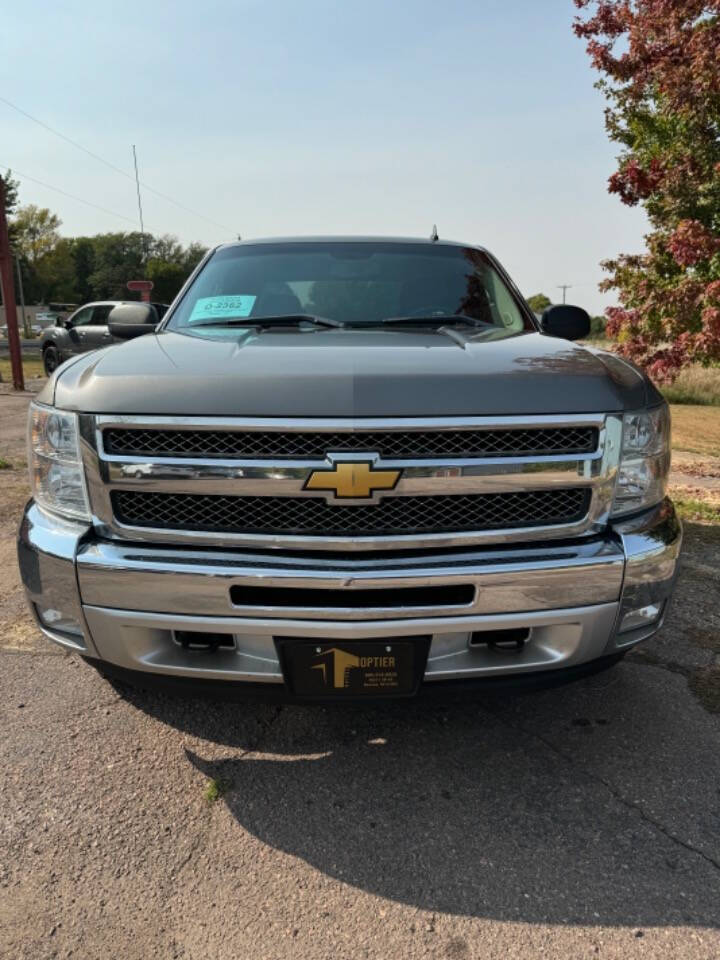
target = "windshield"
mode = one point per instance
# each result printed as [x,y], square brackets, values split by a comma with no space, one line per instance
[350,284]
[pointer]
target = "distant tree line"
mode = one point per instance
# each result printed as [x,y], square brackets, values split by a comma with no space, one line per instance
[79,269]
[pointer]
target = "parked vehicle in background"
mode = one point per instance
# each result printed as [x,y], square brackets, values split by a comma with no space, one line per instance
[35,328]
[47,318]
[86,329]
[39,320]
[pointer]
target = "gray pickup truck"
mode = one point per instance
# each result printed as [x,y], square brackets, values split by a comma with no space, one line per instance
[348,468]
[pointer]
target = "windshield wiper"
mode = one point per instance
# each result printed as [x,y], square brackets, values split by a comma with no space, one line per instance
[439,320]
[274,320]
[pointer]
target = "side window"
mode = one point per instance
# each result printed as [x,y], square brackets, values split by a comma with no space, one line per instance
[100,314]
[83,317]
[505,306]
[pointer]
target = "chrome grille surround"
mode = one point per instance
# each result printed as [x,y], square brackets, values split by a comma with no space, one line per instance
[312,445]
[422,477]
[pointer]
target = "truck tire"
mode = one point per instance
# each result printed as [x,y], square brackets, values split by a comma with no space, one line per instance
[51,359]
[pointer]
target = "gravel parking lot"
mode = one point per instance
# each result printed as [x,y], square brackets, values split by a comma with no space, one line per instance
[578,822]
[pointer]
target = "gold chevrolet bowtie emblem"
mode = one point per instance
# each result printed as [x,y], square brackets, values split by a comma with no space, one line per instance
[357,480]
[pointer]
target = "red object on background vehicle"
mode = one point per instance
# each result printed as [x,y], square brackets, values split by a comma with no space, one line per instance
[144,286]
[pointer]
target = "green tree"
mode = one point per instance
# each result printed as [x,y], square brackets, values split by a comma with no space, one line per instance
[35,236]
[80,269]
[36,232]
[83,254]
[170,265]
[11,188]
[165,248]
[538,302]
[597,326]
[118,257]
[191,256]
[167,279]
[53,276]
[11,193]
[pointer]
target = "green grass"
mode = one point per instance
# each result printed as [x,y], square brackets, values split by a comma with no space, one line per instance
[214,790]
[695,385]
[5,464]
[32,367]
[696,429]
[697,510]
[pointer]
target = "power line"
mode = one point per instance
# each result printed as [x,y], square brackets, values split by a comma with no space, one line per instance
[64,193]
[112,166]
[565,287]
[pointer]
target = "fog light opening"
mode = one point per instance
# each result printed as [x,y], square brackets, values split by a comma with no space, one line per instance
[505,641]
[202,640]
[641,617]
[59,622]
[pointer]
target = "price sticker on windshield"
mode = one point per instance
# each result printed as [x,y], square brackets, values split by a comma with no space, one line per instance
[222,308]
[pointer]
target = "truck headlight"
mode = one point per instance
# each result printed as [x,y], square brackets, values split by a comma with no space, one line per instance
[56,471]
[644,462]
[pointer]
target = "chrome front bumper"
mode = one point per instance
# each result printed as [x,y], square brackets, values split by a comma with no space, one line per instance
[121,603]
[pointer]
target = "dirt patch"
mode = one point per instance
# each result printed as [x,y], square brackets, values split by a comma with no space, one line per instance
[22,636]
[19,632]
[13,426]
[15,493]
[695,473]
[696,465]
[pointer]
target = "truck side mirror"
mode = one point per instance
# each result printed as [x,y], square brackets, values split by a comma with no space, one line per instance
[129,320]
[565,322]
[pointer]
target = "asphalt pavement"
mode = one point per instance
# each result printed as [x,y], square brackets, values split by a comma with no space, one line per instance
[578,822]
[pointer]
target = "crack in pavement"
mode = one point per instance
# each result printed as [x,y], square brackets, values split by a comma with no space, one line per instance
[202,837]
[262,734]
[611,788]
[278,709]
[643,658]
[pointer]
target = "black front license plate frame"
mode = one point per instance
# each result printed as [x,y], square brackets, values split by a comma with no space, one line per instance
[353,669]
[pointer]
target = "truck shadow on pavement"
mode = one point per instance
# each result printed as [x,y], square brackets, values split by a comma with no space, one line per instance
[580,805]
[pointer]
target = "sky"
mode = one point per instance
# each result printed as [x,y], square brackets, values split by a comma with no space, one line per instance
[272,117]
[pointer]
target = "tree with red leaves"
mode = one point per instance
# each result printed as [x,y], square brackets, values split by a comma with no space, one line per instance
[660,66]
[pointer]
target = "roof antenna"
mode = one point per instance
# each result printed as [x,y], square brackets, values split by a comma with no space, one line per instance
[434,235]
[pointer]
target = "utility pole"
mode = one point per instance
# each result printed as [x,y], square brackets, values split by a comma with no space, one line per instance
[8,292]
[26,326]
[137,186]
[564,287]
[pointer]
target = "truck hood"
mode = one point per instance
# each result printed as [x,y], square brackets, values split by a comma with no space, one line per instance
[347,373]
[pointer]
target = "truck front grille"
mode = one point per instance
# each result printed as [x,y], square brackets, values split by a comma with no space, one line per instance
[311,516]
[396,445]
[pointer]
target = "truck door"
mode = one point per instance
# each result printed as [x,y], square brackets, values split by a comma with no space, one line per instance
[96,332]
[77,330]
